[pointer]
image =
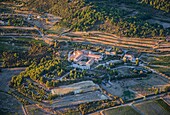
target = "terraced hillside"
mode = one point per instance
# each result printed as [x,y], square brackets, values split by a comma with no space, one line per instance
[95,37]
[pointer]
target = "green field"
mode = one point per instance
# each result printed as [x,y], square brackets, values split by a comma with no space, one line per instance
[156,107]
[127,110]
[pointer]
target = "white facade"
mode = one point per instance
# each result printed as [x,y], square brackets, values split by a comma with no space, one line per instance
[78,56]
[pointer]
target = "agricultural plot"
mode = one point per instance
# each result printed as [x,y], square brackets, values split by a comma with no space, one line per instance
[122,89]
[6,76]
[34,110]
[156,107]
[78,98]
[150,84]
[95,37]
[80,87]
[14,21]
[137,87]
[161,64]
[167,99]
[5,8]
[17,44]
[9,105]
[126,110]
[125,71]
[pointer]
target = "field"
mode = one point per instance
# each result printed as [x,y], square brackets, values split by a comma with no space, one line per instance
[9,105]
[95,37]
[150,84]
[126,110]
[79,87]
[17,44]
[136,87]
[6,76]
[78,98]
[167,99]
[155,107]
[125,71]
[34,110]
[161,64]
[122,89]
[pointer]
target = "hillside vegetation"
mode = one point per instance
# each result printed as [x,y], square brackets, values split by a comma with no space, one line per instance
[158,4]
[124,18]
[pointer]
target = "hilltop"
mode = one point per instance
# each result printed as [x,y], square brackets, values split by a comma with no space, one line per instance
[125,18]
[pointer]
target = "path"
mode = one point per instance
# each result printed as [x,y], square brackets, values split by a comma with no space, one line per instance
[61,78]
[23,108]
[18,27]
[161,66]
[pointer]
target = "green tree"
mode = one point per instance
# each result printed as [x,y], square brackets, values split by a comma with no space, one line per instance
[137,61]
[41,80]
[55,44]
[47,84]
[156,91]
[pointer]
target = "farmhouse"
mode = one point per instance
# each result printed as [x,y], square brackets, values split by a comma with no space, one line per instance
[84,59]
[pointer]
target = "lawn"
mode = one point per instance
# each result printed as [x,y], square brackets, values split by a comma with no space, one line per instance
[154,107]
[127,110]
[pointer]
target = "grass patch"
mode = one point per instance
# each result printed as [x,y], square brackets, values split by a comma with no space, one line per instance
[56,30]
[165,71]
[163,60]
[127,110]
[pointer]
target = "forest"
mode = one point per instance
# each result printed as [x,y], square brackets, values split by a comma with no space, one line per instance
[106,15]
[158,4]
[23,59]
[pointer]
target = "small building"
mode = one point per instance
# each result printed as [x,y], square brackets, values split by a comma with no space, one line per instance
[2,22]
[29,17]
[38,17]
[131,56]
[110,53]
